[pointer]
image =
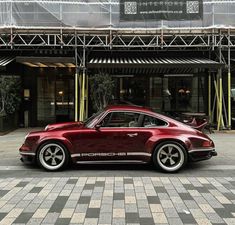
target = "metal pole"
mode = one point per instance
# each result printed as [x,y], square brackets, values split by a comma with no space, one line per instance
[76,80]
[229,83]
[220,117]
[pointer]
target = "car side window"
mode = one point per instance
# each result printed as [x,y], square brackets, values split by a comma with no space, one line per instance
[150,121]
[121,119]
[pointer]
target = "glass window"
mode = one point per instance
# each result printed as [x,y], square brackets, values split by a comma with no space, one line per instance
[150,121]
[121,119]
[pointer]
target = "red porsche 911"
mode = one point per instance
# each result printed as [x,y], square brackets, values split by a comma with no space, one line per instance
[118,134]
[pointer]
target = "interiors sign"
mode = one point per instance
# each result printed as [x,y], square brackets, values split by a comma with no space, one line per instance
[132,10]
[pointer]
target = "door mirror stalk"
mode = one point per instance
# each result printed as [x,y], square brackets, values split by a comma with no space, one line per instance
[97,126]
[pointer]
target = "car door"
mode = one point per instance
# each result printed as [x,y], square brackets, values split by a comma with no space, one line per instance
[115,137]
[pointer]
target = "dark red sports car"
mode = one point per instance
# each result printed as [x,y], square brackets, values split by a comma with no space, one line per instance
[120,134]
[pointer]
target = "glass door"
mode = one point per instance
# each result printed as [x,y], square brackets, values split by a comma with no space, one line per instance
[64,100]
[55,99]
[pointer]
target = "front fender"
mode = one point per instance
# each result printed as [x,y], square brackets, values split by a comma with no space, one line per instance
[62,140]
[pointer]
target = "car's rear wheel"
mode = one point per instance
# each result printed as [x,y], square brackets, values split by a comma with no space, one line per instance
[52,156]
[170,156]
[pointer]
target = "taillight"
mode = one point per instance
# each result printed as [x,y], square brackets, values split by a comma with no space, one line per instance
[207,143]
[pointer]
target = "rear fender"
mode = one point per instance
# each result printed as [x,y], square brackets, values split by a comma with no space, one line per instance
[154,141]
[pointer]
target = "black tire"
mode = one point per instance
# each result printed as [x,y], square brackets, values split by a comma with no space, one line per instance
[52,156]
[170,156]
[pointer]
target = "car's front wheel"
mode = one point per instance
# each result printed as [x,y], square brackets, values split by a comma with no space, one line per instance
[170,156]
[52,156]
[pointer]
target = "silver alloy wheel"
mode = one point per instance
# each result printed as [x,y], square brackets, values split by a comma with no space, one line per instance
[52,156]
[170,157]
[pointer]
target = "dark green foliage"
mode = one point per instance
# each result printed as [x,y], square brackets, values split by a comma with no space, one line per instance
[9,94]
[101,89]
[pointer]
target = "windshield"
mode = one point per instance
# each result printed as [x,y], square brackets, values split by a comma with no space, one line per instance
[89,120]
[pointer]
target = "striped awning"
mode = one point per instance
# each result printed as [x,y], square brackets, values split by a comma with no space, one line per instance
[152,62]
[4,60]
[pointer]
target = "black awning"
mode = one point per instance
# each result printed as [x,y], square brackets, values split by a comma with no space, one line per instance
[151,62]
[47,61]
[4,60]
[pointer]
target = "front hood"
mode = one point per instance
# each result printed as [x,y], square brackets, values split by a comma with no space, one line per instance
[67,125]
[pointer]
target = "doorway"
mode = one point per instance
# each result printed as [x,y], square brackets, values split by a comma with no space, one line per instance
[55,99]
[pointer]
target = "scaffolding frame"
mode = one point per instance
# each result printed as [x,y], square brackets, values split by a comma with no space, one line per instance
[205,39]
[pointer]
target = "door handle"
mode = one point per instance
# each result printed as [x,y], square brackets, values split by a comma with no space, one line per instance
[132,134]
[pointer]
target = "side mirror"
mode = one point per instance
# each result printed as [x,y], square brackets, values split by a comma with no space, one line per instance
[97,126]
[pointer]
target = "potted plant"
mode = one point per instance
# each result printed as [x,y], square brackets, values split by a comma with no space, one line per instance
[101,88]
[9,102]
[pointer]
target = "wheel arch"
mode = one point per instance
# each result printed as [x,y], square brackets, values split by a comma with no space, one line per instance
[56,140]
[160,141]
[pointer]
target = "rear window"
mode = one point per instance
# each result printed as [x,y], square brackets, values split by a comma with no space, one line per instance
[150,121]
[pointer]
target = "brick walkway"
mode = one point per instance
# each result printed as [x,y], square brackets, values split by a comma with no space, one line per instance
[117,200]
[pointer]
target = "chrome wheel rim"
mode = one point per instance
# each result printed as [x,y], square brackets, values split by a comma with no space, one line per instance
[52,156]
[170,157]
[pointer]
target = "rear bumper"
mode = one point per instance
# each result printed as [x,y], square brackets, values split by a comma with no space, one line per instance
[201,154]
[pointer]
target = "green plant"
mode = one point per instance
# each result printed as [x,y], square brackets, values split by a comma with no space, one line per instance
[9,94]
[101,88]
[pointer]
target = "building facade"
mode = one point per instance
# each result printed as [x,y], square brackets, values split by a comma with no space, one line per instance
[173,56]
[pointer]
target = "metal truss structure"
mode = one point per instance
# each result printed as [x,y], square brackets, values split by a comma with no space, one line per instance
[116,39]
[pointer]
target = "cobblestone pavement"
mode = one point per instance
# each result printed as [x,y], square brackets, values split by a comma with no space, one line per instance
[201,193]
[117,200]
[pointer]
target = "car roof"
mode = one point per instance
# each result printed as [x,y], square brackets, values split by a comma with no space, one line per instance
[128,107]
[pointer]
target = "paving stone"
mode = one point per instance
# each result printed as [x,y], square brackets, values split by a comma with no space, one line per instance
[118,196]
[84,200]
[23,218]
[22,184]
[36,190]
[131,208]
[153,200]
[175,221]
[105,218]
[2,215]
[50,218]
[3,192]
[132,218]
[118,221]
[92,213]
[187,218]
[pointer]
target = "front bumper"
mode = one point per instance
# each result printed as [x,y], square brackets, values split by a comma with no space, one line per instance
[27,156]
[201,154]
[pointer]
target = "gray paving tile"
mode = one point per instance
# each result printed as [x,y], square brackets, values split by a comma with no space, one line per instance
[35,190]
[187,218]
[2,215]
[92,213]
[23,218]
[118,196]
[132,218]
[62,221]
[144,221]
[58,204]
[153,199]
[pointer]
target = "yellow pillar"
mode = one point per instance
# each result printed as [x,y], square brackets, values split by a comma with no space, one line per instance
[76,97]
[87,80]
[81,97]
[229,100]
[220,104]
[209,96]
